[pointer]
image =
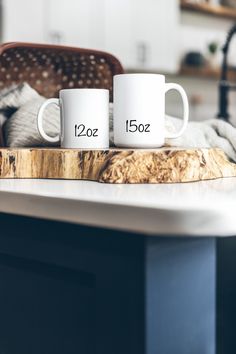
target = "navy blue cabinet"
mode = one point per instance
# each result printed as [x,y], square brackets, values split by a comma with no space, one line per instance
[72,289]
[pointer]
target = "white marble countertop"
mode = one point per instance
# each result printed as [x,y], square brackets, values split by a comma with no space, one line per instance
[193,209]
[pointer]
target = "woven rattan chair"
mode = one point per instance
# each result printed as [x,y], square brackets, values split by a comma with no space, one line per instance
[50,68]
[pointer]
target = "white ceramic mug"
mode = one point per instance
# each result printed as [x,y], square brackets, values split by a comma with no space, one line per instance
[84,119]
[139,110]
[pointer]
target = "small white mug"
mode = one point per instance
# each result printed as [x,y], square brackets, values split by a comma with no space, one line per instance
[139,110]
[84,119]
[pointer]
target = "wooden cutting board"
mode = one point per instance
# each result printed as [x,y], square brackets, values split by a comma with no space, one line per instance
[165,165]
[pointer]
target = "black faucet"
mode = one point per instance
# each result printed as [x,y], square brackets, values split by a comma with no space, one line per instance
[225,86]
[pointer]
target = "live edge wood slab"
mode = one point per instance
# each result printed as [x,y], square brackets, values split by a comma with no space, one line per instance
[165,165]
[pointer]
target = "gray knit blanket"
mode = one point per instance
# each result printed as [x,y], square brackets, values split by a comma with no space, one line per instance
[19,106]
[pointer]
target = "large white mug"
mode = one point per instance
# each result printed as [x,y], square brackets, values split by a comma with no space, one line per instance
[139,110]
[84,119]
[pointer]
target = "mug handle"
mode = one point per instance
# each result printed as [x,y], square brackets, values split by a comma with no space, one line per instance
[42,133]
[184,97]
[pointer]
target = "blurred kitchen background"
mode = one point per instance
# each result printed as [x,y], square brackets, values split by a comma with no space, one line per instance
[180,38]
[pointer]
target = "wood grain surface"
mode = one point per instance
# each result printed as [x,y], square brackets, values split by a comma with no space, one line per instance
[165,165]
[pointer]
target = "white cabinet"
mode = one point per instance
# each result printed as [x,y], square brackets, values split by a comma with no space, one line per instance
[157,28]
[77,22]
[120,31]
[143,33]
[24,20]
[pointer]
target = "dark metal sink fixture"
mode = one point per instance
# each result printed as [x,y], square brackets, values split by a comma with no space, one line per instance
[225,86]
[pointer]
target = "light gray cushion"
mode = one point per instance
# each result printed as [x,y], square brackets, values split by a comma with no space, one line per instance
[20,128]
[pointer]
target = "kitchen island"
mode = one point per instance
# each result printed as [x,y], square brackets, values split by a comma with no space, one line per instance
[98,268]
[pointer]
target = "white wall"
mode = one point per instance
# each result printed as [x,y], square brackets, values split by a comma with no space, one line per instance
[24,20]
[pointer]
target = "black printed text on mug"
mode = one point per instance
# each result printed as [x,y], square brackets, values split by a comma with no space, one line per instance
[131,126]
[82,130]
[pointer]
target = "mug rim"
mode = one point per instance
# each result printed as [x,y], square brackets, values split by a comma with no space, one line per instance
[140,74]
[83,89]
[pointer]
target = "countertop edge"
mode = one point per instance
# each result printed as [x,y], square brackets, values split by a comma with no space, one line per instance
[128,218]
